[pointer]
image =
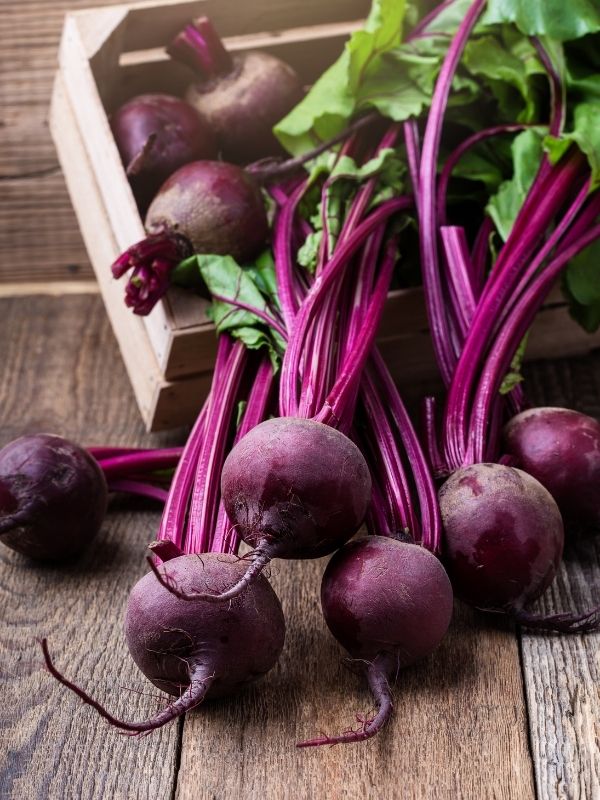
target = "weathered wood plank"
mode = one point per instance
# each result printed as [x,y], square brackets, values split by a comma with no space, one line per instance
[40,239]
[60,372]
[459,728]
[562,673]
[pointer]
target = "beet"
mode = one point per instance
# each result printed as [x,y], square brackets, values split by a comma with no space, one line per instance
[293,488]
[241,96]
[503,538]
[196,650]
[205,207]
[53,497]
[389,604]
[561,449]
[216,206]
[156,134]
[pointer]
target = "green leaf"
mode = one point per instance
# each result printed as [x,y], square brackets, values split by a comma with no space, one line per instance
[585,134]
[504,206]
[559,19]
[582,287]
[489,58]
[254,286]
[341,177]
[329,105]
[514,377]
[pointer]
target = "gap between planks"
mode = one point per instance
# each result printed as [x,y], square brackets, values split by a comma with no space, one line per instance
[49,289]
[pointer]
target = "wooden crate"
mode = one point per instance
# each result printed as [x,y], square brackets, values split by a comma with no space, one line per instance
[110,54]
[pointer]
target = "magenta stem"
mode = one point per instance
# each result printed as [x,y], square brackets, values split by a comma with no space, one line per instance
[428,224]
[140,462]
[139,489]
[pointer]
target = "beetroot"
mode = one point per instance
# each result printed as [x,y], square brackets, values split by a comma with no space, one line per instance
[205,207]
[293,488]
[53,497]
[156,134]
[241,96]
[389,604]
[196,650]
[561,449]
[503,536]
[216,206]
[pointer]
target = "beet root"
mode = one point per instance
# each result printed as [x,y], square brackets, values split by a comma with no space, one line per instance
[503,536]
[196,651]
[53,497]
[241,96]
[561,449]
[156,134]
[293,488]
[389,604]
[205,207]
[243,106]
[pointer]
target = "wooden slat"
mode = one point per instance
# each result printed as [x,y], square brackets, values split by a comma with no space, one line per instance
[562,673]
[148,26]
[458,731]
[60,372]
[40,239]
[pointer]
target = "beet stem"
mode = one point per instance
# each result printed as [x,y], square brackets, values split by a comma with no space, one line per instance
[200,682]
[260,559]
[379,685]
[569,622]
[265,173]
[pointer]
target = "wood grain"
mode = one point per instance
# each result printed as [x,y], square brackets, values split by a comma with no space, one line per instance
[562,673]
[60,372]
[39,236]
[454,734]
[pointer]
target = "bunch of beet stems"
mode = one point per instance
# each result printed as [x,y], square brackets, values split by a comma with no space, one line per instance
[329,322]
[478,322]
[194,520]
[333,317]
[143,472]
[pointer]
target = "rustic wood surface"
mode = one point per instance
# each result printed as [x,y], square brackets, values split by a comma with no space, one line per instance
[494,714]
[40,239]
[562,673]
[451,730]
[462,726]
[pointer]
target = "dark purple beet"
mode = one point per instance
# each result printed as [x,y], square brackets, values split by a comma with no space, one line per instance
[293,488]
[156,134]
[205,207]
[241,96]
[561,449]
[53,497]
[196,650]
[389,604]
[503,536]
[296,487]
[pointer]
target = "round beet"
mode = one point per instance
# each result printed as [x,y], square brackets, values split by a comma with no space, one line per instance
[293,488]
[53,497]
[503,536]
[192,649]
[243,106]
[389,604]
[241,96]
[561,449]
[216,206]
[156,134]
[205,207]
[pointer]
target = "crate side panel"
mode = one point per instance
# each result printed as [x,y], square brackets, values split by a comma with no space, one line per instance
[152,26]
[96,230]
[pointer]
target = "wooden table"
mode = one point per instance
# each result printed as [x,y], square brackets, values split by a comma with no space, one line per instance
[495,713]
